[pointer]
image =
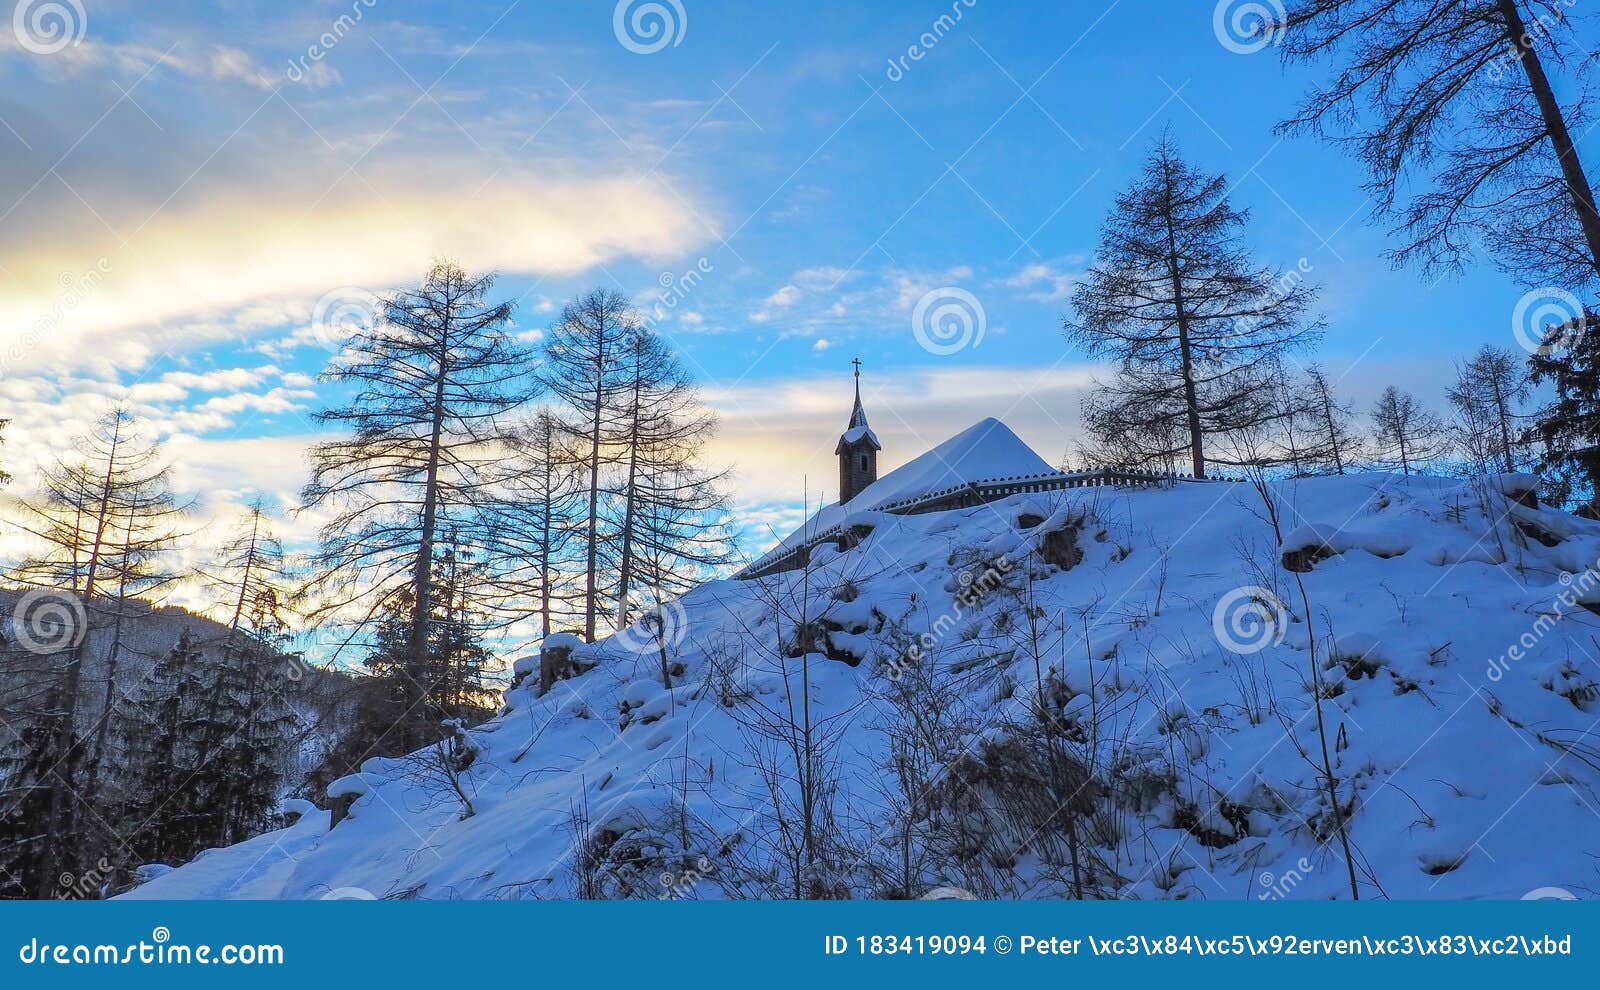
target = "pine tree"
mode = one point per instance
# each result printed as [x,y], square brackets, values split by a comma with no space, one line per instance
[33,769]
[208,737]
[1195,327]
[1567,428]
[457,664]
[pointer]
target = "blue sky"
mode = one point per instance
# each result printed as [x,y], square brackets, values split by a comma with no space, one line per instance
[194,188]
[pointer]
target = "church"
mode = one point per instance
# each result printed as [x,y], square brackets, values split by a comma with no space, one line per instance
[986,460]
[857,450]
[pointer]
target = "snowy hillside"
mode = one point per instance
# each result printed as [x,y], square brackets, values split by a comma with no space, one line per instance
[1100,691]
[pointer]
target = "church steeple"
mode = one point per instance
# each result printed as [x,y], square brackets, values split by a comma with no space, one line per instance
[857,450]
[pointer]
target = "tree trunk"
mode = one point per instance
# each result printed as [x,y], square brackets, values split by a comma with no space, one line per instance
[1333,431]
[102,726]
[60,830]
[1503,413]
[625,570]
[1191,397]
[544,548]
[1555,123]
[422,570]
[592,562]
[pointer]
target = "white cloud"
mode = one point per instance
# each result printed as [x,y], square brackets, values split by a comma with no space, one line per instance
[786,296]
[227,63]
[214,63]
[1042,282]
[242,258]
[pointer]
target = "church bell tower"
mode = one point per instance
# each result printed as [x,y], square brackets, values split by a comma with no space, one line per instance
[857,450]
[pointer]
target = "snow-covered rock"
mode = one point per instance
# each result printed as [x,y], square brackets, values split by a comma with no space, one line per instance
[562,641]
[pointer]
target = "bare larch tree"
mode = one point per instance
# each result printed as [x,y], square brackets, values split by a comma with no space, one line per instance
[585,369]
[1487,395]
[106,518]
[429,387]
[1194,325]
[1404,433]
[1460,91]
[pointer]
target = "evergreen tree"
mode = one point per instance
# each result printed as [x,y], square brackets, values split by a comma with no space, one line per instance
[1567,429]
[458,663]
[208,738]
[33,769]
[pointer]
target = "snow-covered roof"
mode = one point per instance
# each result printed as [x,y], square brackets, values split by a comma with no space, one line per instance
[985,451]
[858,428]
[855,433]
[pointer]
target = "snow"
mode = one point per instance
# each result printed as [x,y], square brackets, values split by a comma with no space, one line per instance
[353,785]
[298,806]
[856,433]
[562,641]
[1445,627]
